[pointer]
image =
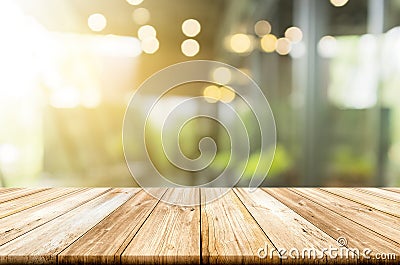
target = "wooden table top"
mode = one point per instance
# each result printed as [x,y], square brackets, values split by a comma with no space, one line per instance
[128,226]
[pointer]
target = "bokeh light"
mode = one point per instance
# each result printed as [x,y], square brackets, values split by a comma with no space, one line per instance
[134,2]
[294,34]
[141,16]
[227,94]
[146,31]
[298,50]
[327,47]
[262,28]
[268,43]
[212,94]
[190,47]
[191,27]
[97,22]
[339,3]
[150,45]
[241,43]
[222,75]
[67,70]
[283,46]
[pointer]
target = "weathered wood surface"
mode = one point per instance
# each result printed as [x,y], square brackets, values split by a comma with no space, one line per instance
[267,226]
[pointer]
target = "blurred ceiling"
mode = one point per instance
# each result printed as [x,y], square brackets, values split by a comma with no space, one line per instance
[166,16]
[218,19]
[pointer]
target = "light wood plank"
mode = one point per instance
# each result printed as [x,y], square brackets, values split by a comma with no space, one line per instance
[335,224]
[229,233]
[170,235]
[8,196]
[104,243]
[368,217]
[26,202]
[284,227]
[99,225]
[397,190]
[41,245]
[381,193]
[378,203]
[8,190]
[20,223]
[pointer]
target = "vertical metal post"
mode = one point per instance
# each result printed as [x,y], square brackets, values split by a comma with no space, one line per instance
[376,16]
[311,17]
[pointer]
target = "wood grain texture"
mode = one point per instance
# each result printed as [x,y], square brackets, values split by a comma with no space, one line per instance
[396,190]
[284,227]
[369,200]
[381,193]
[22,222]
[41,245]
[366,216]
[129,226]
[26,202]
[230,235]
[8,190]
[15,194]
[171,234]
[335,224]
[105,242]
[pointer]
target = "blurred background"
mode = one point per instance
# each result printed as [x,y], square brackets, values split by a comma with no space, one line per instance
[329,68]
